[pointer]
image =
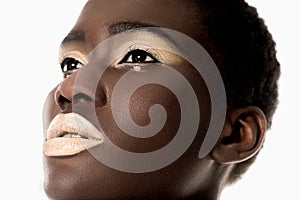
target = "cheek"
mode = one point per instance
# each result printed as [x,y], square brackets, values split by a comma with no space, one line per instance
[153,94]
[148,118]
[140,104]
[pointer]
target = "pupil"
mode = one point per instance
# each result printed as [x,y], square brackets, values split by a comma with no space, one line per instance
[71,64]
[139,56]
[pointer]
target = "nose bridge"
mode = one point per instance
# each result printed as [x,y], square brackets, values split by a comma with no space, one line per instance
[84,82]
[82,85]
[65,88]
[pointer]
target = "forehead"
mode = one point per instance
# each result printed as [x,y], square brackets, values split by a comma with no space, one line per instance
[172,14]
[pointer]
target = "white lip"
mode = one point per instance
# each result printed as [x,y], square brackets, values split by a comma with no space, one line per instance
[81,135]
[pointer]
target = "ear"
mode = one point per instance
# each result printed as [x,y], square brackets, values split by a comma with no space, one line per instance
[242,135]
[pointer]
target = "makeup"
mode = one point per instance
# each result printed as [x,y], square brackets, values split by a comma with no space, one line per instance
[70,134]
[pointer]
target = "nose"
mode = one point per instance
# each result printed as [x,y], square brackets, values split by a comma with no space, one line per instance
[72,91]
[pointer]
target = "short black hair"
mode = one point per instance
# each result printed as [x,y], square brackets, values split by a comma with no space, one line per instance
[245,54]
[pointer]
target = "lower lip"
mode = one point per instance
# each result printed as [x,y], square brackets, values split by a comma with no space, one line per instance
[68,146]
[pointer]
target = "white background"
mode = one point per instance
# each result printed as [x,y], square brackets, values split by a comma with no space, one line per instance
[29,39]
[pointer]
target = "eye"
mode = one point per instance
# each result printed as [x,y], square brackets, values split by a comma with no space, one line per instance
[138,56]
[70,64]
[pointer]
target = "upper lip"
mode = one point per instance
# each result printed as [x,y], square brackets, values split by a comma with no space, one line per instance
[72,123]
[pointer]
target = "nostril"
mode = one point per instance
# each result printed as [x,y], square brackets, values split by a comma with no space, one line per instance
[63,102]
[101,98]
[82,97]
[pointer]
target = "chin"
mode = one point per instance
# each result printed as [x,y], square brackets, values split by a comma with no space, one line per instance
[75,177]
[83,177]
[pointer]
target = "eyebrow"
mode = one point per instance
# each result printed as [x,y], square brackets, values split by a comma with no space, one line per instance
[76,35]
[120,27]
[113,29]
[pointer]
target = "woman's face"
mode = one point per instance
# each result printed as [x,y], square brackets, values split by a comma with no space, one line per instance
[115,95]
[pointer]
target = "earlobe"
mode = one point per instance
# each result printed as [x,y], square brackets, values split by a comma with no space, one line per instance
[242,135]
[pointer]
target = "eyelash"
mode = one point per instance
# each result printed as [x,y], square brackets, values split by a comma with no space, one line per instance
[138,56]
[69,65]
[134,56]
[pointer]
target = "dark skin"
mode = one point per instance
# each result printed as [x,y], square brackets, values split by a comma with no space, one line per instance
[81,176]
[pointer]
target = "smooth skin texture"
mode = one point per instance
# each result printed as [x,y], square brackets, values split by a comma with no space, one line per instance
[83,177]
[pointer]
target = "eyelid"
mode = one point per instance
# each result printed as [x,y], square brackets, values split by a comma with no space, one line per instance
[76,55]
[152,51]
